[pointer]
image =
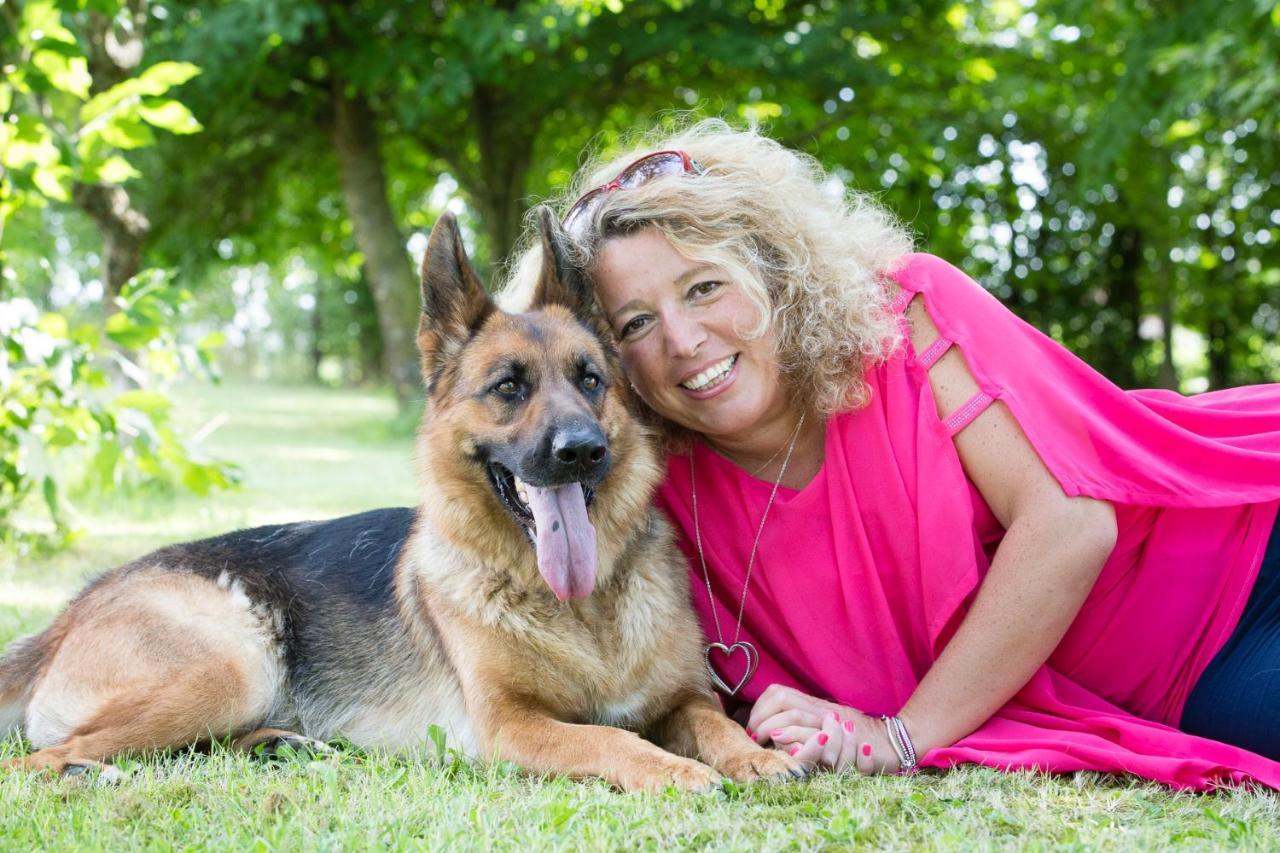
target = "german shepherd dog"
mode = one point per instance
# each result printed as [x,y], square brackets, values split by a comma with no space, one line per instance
[533,606]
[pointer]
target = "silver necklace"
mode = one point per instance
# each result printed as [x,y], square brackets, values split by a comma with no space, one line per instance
[738,645]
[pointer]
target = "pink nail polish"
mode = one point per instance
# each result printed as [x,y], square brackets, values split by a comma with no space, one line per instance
[835,716]
[848,725]
[751,734]
[793,750]
[866,750]
[823,738]
[776,733]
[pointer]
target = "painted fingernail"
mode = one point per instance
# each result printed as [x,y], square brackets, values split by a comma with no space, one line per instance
[823,738]
[848,725]
[835,716]
[866,750]
[750,733]
[793,750]
[776,733]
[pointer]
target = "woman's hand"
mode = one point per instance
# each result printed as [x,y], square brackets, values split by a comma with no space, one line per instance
[818,733]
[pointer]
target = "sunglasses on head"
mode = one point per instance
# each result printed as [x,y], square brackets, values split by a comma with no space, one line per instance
[655,165]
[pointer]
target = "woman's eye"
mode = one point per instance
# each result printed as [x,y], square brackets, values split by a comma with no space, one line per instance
[704,288]
[590,382]
[633,325]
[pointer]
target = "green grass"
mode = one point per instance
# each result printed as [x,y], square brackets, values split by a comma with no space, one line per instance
[308,453]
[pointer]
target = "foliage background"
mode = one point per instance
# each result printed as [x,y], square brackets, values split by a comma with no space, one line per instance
[258,179]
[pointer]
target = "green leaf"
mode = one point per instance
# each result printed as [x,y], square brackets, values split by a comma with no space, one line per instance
[980,70]
[211,341]
[170,115]
[127,132]
[1182,128]
[113,170]
[53,180]
[42,17]
[162,76]
[149,402]
[66,74]
[129,333]
[49,490]
[53,324]
[156,80]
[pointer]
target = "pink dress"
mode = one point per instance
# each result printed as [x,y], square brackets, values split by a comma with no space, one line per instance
[863,575]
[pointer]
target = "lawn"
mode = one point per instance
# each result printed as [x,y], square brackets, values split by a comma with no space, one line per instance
[309,453]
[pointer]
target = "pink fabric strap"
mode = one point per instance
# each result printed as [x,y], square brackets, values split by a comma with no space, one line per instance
[901,301]
[963,416]
[933,352]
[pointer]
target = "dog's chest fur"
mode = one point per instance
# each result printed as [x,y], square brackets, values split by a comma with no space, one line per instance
[614,658]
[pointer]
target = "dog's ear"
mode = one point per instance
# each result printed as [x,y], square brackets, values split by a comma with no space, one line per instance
[454,301]
[561,282]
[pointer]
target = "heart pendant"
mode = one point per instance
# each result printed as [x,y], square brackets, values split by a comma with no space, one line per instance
[753,660]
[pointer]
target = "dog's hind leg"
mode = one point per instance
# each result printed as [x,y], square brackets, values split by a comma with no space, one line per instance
[155,661]
[201,704]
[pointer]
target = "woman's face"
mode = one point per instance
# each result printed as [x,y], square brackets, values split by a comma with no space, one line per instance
[681,327]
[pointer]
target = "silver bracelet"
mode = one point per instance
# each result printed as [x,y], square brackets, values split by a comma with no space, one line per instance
[901,743]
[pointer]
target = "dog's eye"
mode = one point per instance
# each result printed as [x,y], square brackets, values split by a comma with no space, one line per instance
[507,388]
[590,382]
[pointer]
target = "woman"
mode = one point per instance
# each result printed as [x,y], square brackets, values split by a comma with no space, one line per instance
[905,551]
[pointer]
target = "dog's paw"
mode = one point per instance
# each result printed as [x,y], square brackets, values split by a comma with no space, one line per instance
[288,745]
[91,773]
[684,774]
[755,764]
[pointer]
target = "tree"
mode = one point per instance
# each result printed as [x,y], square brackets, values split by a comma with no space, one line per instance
[62,129]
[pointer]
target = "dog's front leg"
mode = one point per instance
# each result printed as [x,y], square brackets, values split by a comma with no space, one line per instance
[542,744]
[698,728]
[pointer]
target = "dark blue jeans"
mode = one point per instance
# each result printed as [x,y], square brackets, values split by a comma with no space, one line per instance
[1237,699]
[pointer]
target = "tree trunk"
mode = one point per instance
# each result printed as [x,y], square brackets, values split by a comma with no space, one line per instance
[123,228]
[1168,370]
[505,154]
[1124,297]
[1219,353]
[114,52]
[386,262]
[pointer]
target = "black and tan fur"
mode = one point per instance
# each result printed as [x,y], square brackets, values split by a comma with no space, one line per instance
[374,627]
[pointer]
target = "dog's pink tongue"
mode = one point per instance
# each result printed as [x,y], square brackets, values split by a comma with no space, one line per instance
[566,540]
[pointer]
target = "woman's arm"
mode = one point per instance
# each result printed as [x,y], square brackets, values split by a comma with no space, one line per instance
[1049,559]
[1053,548]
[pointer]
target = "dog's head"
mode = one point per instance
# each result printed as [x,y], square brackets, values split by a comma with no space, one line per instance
[527,438]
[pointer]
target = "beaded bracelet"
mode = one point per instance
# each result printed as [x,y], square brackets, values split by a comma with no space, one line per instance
[901,743]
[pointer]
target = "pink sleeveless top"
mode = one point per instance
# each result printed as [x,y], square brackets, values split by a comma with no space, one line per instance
[863,575]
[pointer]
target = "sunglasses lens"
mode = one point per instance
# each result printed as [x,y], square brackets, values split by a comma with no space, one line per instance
[639,173]
[647,168]
[580,214]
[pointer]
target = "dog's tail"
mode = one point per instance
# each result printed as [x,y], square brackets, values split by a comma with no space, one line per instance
[18,670]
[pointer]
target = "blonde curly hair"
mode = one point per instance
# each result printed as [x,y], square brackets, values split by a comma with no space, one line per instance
[813,258]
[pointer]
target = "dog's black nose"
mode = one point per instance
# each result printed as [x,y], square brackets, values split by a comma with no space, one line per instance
[581,446]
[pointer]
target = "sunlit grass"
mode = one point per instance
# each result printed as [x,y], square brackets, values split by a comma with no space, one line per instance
[308,453]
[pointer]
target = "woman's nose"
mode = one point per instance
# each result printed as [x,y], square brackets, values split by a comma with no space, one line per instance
[684,334]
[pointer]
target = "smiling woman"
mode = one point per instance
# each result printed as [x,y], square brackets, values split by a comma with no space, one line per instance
[927,534]
[686,344]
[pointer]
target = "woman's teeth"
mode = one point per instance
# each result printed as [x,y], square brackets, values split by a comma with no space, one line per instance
[712,376]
